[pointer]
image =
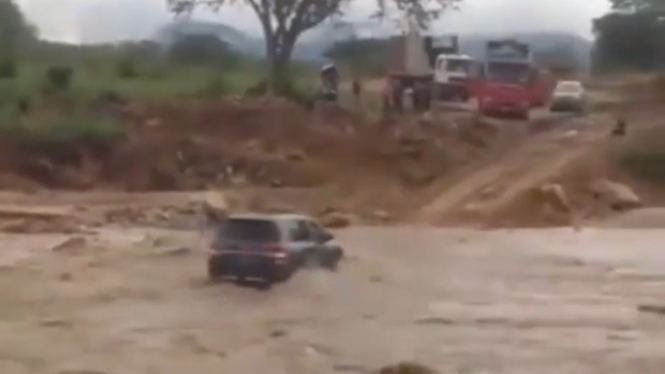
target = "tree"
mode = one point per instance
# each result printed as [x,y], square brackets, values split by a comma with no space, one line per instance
[14,29]
[637,5]
[203,49]
[631,37]
[284,21]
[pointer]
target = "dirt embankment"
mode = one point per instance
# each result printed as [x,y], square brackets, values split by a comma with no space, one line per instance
[236,144]
[268,155]
[444,168]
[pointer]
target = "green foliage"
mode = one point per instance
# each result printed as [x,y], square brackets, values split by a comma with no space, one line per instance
[215,87]
[644,155]
[202,50]
[60,129]
[8,69]
[637,5]
[59,78]
[630,40]
[15,32]
[126,69]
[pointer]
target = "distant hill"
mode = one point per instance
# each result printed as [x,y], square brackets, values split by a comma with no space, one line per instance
[237,39]
[315,42]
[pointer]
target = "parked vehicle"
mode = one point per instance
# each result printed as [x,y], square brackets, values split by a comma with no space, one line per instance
[510,82]
[452,77]
[409,71]
[505,79]
[423,68]
[568,96]
[452,70]
[270,248]
[329,83]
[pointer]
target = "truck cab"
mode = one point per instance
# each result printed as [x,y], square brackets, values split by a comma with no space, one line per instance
[452,76]
[507,79]
[505,88]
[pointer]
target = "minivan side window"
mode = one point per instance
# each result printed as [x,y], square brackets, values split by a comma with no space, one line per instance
[299,232]
[315,230]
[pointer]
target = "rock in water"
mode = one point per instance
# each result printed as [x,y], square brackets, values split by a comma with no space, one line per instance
[407,367]
[71,245]
[618,196]
[555,195]
[336,220]
[215,207]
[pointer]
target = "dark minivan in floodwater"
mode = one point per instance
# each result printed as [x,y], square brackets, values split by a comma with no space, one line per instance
[270,248]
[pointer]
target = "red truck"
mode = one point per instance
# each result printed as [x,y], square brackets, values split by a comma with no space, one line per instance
[509,82]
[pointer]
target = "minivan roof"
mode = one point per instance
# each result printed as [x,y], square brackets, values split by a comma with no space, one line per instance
[569,83]
[268,216]
[454,56]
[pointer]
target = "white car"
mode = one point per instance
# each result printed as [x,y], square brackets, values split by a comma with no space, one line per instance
[568,96]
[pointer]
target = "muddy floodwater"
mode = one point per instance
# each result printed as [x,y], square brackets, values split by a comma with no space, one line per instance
[518,302]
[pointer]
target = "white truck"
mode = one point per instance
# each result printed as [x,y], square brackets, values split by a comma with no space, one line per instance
[452,70]
[428,68]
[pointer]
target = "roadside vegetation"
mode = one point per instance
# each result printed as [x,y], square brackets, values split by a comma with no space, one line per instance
[59,91]
[631,40]
[643,155]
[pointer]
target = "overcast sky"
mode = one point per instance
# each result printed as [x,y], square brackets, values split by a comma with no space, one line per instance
[111,20]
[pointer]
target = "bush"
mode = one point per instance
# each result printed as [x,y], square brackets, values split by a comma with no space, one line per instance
[59,77]
[215,87]
[83,130]
[57,130]
[126,69]
[294,93]
[8,69]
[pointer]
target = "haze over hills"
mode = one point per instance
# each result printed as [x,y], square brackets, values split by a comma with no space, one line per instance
[315,42]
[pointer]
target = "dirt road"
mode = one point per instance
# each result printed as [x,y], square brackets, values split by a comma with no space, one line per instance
[496,182]
[461,301]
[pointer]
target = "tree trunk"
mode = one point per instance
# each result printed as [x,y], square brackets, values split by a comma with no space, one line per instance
[279,74]
[278,55]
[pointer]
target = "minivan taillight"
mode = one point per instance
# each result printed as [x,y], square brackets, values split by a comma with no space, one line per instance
[275,250]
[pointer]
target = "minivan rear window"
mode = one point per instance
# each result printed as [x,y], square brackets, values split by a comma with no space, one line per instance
[248,230]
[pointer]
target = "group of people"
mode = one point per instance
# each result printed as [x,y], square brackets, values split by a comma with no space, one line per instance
[395,95]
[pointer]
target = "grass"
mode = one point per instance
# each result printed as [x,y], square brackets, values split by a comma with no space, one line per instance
[58,128]
[153,81]
[67,116]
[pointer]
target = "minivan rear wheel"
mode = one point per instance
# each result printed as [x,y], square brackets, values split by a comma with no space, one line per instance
[214,272]
[265,284]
